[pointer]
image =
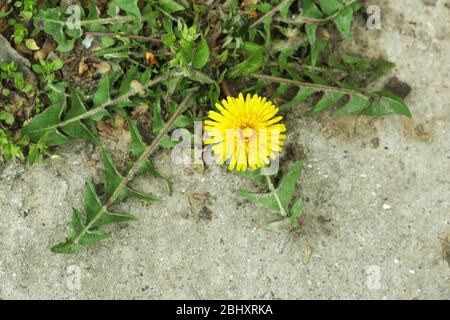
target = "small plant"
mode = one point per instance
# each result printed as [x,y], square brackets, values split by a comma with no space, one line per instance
[279,200]
[12,88]
[10,75]
[167,63]
[48,68]
[9,148]
[25,10]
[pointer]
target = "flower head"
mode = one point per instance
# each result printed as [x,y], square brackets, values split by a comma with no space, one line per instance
[245,132]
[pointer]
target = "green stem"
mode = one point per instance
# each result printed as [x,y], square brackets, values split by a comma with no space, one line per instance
[302,19]
[137,165]
[277,198]
[124,35]
[119,19]
[318,87]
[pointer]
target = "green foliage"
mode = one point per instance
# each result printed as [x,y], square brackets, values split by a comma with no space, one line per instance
[9,149]
[12,86]
[10,71]
[20,31]
[170,6]
[251,64]
[173,46]
[25,10]
[386,103]
[84,227]
[279,200]
[48,124]
[47,69]
[64,27]
[201,55]
[138,147]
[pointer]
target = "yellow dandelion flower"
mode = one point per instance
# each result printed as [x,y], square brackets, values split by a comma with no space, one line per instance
[245,132]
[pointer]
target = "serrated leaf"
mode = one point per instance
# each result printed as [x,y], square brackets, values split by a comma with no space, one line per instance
[310,10]
[45,123]
[358,63]
[92,203]
[284,192]
[95,211]
[330,6]
[140,195]
[57,92]
[129,6]
[201,55]
[311,34]
[356,104]
[101,96]
[67,248]
[91,237]
[77,223]
[125,84]
[343,22]
[254,175]
[296,211]
[78,129]
[328,100]
[170,6]
[108,218]
[186,50]
[137,148]
[168,143]
[380,67]
[316,50]
[252,64]
[385,104]
[113,179]
[302,95]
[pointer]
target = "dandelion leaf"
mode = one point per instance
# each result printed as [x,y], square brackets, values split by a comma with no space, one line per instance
[84,229]
[356,104]
[302,95]
[49,124]
[137,148]
[283,194]
[79,129]
[45,124]
[113,179]
[329,99]
[385,103]
[295,213]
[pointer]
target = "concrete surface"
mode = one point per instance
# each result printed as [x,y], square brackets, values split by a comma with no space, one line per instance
[377,204]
